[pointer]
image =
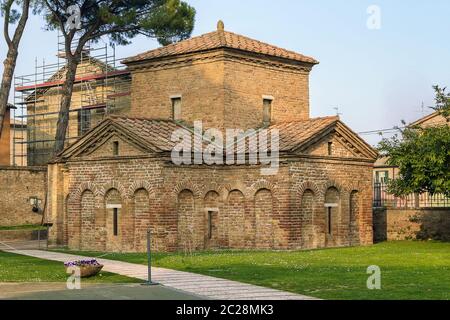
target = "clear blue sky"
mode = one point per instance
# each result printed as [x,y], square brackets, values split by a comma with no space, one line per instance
[375,77]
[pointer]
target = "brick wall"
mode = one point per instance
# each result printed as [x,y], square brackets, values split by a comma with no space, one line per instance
[332,180]
[284,211]
[245,85]
[407,224]
[223,90]
[5,144]
[18,184]
[199,83]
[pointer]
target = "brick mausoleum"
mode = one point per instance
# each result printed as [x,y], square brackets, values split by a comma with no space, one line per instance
[117,181]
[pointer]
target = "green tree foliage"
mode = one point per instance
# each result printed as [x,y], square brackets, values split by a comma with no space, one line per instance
[421,154]
[442,102]
[120,21]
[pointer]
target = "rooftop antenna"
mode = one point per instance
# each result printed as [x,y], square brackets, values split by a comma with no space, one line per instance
[337,112]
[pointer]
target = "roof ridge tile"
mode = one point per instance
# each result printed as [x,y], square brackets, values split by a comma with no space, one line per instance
[220,39]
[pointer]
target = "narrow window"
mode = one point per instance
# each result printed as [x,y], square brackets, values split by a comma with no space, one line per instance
[329,220]
[115,221]
[210,224]
[267,111]
[330,148]
[115,148]
[176,108]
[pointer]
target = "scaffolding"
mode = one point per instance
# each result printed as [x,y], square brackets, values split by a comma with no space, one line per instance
[102,87]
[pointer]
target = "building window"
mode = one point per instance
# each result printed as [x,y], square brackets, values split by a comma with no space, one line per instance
[382,177]
[330,148]
[332,209]
[267,111]
[115,221]
[329,220]
[84,121]
[210,223]
[176,108]
[212,219]
[115,148]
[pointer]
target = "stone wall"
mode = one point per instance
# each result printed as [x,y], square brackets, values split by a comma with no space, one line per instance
[407,224]
[17,185]
[22,235]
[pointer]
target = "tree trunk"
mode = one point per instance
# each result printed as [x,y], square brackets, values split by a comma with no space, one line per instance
[11,59]
[66,98]
[8,72]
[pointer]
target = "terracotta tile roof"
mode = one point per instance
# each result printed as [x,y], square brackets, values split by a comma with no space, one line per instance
[434,119]
[158,133]
[294,134]
[220,39]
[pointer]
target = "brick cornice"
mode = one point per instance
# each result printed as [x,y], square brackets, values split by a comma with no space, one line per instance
[221,55]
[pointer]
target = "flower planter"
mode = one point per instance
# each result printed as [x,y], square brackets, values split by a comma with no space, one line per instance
[88,268]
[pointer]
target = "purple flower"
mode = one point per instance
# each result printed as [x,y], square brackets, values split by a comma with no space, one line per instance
[80,263]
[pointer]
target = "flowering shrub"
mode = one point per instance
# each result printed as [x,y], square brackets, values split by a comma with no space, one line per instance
[81,263]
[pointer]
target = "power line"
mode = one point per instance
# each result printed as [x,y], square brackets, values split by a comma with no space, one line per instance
[392,130]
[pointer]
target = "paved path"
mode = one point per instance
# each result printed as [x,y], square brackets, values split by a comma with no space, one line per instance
[90,291]
[200,285]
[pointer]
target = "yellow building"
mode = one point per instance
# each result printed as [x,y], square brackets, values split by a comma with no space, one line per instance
[18,145]
[99,90]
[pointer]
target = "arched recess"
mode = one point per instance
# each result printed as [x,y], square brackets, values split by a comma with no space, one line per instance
[141,221]
[302,192]
[113,220]
[78,192]
[190,227]
[260,185]
[74,221]
[212,218]
[235,219]
[64,237]
[114,185]
[141,184]
[264,229]
[87,220]
[309,238]
[332,215]
[187,185]
[354,218]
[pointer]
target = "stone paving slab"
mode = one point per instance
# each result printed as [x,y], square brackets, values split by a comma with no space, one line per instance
[199,285]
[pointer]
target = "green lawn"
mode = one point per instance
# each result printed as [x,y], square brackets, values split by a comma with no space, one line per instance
[18,268]
[410,270]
